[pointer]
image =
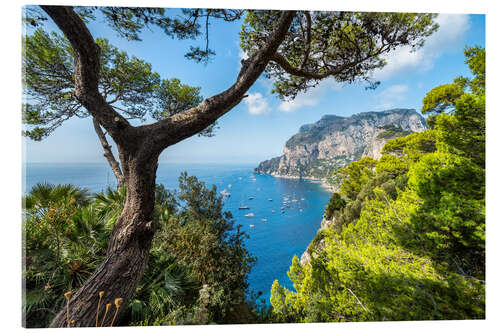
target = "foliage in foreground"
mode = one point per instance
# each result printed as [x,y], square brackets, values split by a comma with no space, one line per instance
[407,242]
[408,237]
[198,266]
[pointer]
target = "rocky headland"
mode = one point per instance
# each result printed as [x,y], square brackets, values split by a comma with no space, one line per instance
[333,142]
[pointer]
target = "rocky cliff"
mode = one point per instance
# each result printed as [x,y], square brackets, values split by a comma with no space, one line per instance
[318,243]
[333,142]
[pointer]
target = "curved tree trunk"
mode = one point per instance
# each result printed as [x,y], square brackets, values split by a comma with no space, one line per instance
[127,253]
[139,148]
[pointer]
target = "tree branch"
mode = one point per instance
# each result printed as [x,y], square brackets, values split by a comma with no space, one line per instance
[206,31]
[180,126]
[287,67]
[357,299]
[87,73]
[115,166]
[308,38]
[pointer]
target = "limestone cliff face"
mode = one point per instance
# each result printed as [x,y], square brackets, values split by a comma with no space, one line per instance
[318,243]
[333,142]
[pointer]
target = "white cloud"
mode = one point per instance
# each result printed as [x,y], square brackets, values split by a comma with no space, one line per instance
[394,92]
[243,55]
[257,104]
[448,37]
[310,97]
[388,96]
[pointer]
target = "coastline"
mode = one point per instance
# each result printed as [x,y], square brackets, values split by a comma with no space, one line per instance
[306,255]
[264,235]
[328,187]
[323,183]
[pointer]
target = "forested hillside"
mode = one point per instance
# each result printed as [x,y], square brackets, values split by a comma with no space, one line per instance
[407,234]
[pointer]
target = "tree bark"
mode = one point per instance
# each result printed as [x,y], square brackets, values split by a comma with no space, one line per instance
[127,253]
[108,154]
[139,148]
[86,72]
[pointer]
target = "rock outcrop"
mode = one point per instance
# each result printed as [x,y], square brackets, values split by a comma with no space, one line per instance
[333,142]
[318,243]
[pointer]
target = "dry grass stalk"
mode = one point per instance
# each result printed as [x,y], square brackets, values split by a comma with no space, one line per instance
[118,302]
[101,293]
[67,295]
[105,313]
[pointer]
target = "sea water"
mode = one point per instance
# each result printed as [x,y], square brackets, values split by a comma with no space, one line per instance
[275,237]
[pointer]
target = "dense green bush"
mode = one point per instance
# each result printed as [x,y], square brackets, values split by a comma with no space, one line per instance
[64,241]
[336,203]
[391,132]
[409,243]
[203,238]
[198,266]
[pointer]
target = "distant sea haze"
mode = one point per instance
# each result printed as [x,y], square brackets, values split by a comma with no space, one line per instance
[275,237]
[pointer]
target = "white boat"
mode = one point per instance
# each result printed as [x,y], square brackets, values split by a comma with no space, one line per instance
[295,200]
[270,199]
[302,199]
[264,220]
[273,211]
[244,207]
[251,226]
[229,186]
[225,193]
[250,198]
[249,215]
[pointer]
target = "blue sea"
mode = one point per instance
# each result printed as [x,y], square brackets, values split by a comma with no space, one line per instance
[275,237]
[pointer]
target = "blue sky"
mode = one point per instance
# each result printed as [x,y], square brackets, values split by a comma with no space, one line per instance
[259,126]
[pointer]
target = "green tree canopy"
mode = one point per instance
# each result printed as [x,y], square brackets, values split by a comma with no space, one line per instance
[347,46]
[295,49]
[409,244]
[444,98]
[128,84]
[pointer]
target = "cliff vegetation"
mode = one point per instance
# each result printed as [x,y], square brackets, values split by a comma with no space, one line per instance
[405,238]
